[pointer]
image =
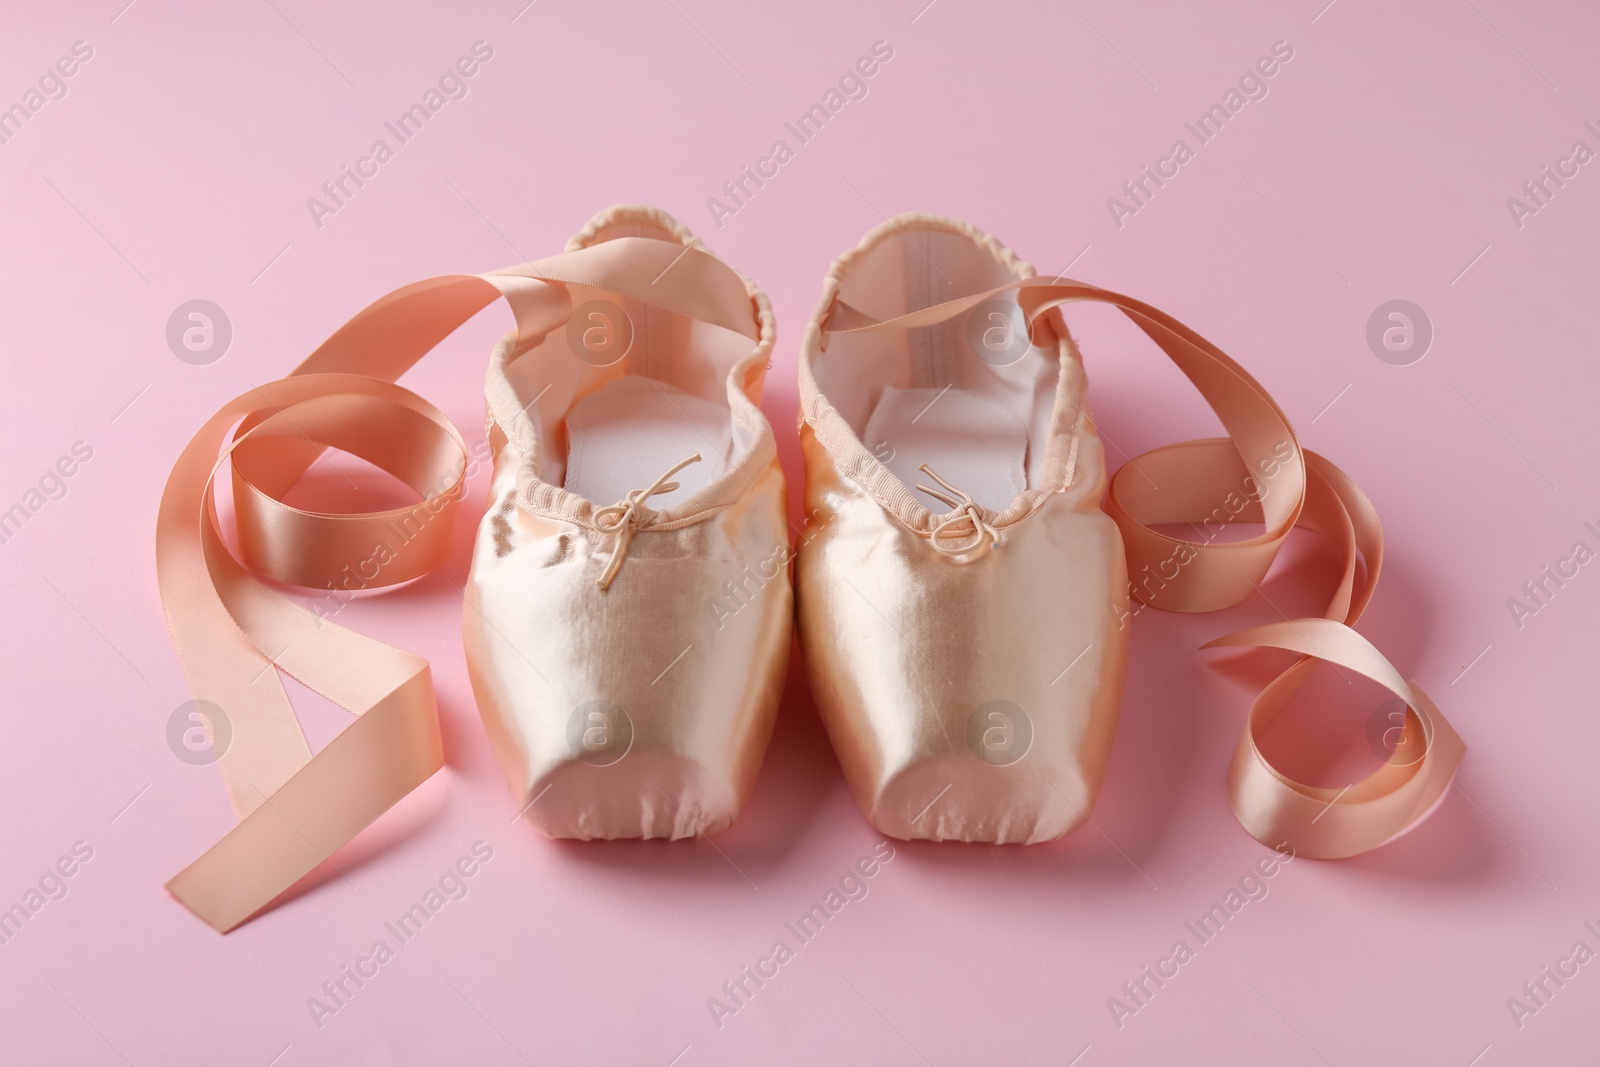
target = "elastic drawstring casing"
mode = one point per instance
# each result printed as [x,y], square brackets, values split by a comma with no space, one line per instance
[967,511]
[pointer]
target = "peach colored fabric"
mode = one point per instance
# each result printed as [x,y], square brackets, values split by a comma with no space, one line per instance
[627,658]
[895,736]
[230,630]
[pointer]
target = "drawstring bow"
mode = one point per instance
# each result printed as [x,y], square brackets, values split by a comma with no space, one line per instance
[626,518]
[966,511]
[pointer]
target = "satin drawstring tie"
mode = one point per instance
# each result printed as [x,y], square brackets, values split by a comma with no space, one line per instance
[967,511]
[628,516]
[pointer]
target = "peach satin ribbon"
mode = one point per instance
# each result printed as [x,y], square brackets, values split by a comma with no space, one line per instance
[230,629]
[1301,489]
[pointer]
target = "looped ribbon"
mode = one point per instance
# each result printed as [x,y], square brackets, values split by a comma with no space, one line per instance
[233,633]
[1285,486]
[629,515]
[965,511]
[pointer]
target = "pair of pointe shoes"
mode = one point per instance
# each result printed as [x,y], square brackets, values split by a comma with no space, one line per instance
[963,570]
[629,611]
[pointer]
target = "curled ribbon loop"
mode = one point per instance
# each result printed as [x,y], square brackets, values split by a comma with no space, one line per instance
[1283,486]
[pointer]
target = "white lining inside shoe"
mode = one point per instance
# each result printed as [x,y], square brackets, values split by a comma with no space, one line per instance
[973,441]
[987,433]
[624,436]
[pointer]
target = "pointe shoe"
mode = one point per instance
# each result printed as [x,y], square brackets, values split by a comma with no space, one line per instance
[963,599]
[953,532]
[628,610]
[628,613]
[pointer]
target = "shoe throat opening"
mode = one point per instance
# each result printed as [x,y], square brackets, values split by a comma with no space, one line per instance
[624,390]
[970,397]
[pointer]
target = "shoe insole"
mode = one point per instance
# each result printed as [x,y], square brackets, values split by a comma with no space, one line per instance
[971,440]
[627,434]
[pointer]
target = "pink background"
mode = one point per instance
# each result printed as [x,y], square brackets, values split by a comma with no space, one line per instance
[1378,167]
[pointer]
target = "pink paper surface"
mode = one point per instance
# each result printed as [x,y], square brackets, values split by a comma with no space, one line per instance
[1377,166]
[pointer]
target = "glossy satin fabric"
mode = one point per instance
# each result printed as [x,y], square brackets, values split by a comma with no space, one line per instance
[906,645]
[644,710]
[230,629]
[908,651]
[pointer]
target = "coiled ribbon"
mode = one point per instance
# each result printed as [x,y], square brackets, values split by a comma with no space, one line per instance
[1306,491]
[233,633]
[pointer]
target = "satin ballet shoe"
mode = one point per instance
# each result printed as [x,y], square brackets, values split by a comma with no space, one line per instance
[964,597]
[953,532]
[628,613]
